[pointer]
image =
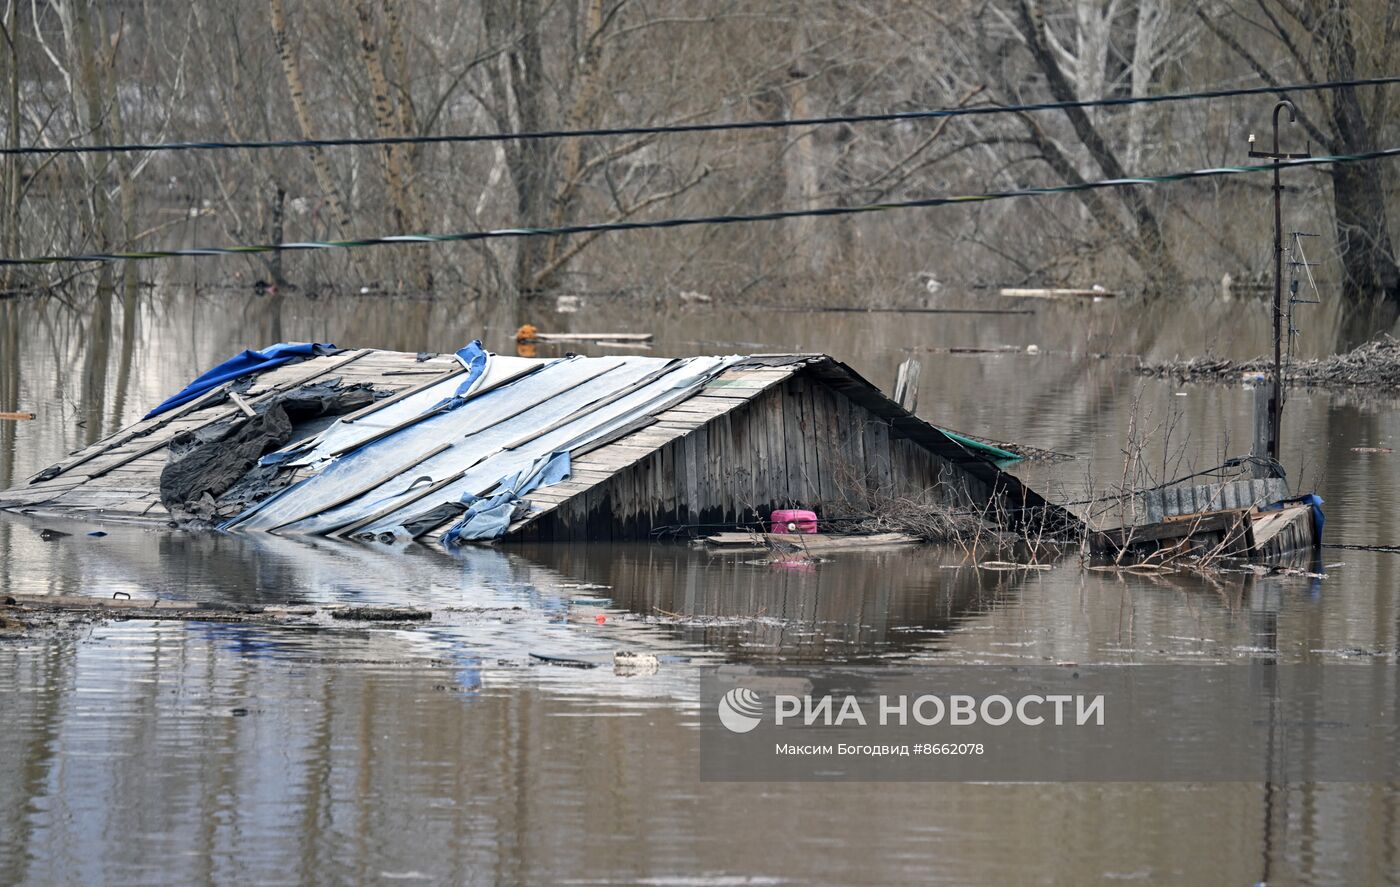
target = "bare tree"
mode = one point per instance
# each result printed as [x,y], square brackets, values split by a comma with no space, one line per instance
[1335,40]
[1147,243]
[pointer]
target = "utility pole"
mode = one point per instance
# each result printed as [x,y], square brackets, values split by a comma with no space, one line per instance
[1273,430]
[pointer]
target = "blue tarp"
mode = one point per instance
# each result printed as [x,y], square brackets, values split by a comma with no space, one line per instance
[473,357]
[489,517]
[242,365]
[1311,499]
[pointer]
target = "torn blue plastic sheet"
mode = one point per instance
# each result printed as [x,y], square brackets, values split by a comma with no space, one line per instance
[242,365]
[490,517]
[474,358]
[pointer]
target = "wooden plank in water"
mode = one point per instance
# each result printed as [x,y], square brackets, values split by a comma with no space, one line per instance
[592,337]
[1057,293]
[1278,533]
[806,542]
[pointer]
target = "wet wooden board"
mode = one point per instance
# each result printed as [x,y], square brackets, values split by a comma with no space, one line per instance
[806,542]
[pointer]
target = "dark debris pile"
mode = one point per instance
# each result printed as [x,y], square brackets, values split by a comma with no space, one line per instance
[1373,365]
[213,473]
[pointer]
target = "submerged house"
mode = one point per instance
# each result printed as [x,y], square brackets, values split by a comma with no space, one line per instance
[372,444]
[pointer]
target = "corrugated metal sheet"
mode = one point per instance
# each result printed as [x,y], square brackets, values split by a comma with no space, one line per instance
[442,456]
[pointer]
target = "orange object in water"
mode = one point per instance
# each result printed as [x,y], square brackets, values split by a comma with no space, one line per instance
[600,618]
[526,333]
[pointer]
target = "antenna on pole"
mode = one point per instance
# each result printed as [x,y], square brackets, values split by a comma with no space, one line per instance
[1273,426]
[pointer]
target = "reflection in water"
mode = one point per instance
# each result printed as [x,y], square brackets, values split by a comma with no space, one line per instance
[184,752]
[9,386]
[178,752]
[849,608]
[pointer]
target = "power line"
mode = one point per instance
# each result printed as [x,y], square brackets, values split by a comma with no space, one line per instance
[684,222]
[664,129]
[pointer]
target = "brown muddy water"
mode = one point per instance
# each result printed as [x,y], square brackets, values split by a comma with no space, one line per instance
[174,753]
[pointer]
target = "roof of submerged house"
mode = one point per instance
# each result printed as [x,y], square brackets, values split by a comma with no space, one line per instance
[474,445]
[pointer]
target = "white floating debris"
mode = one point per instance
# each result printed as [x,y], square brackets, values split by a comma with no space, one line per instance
[631,663]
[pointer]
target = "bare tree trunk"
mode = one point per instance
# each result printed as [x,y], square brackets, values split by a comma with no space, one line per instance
[805,181]
[10,243]
[586,86]
[291,69]
[518,83]
[1151,243]
[279,204]
[1322,29]
[1370,277]
[83,46]
[121,165]
[388,121]
[9,385]
[1149,31]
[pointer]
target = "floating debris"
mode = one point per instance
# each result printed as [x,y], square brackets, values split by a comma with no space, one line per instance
[530,333]
[1092,294]
[1373,365]
[626,662]
[381,614]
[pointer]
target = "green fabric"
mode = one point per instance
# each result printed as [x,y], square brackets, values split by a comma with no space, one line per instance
[995,454]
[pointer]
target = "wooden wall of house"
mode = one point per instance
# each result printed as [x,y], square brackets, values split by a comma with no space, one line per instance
[799,444]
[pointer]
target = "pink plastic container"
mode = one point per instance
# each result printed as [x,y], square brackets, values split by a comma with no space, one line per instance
[793,520]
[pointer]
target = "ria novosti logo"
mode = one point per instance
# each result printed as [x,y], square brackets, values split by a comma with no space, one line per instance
[740,710]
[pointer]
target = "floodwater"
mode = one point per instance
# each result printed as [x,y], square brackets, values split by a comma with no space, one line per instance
[174,753]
